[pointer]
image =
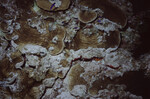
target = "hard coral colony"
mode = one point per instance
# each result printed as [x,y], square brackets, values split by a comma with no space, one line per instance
[66,49]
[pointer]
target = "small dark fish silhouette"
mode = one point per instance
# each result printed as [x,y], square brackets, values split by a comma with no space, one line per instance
[52,6]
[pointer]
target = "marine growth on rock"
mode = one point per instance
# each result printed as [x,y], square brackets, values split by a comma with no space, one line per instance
[66,49]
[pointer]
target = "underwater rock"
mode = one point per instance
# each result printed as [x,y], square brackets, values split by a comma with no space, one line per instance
[49,94]
[37,91]
[79,90]
[87,16]
[57,45]
[96,40]
[111,11]
[3,26]
[73,78]
[51,5]
[46,40]
[67,49]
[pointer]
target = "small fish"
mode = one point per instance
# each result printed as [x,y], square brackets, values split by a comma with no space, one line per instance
[75,28]
[97,59]
[99,21]
[100,17]
[110,66]
[52,6]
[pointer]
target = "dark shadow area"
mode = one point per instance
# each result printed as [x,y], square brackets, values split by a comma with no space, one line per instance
[137,83]
[144,29]
[140,5]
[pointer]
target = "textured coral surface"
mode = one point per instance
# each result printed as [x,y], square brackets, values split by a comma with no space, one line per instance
[69,49]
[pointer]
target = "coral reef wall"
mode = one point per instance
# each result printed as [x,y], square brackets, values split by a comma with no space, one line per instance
[73,49]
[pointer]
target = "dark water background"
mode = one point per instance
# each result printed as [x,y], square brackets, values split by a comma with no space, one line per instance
[142,6]
[137,83]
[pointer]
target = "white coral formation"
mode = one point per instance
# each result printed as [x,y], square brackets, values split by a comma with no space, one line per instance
[145,60]
[50,93]
[99,39]
[79,90]
[54,40]
[118,90]
[49,82]
[36,23]
[106,25]
[13,83]
[36,8]
[94,69]
[33,49]
[72,29]
[52,27]
[9,51]
[128,35]
[32,61]
[12,14]
[18,65]
[65,95]
[3,46]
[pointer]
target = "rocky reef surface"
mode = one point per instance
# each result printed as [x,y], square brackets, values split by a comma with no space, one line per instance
[68,49]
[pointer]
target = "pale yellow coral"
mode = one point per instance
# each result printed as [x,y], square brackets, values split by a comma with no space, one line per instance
[87,16]
[111,11]
[47,5]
